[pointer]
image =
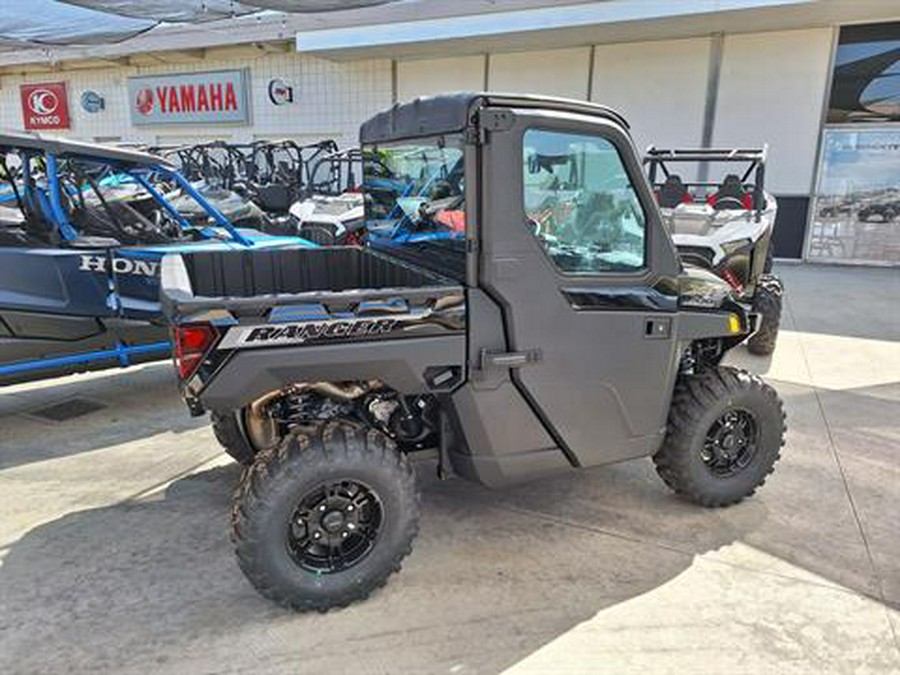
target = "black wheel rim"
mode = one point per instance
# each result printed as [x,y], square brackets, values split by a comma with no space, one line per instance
[731,442]
[335,526]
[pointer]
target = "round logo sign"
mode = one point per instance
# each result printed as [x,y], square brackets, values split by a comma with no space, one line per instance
[144,101]
[92,102]
[43,102]
[280,92]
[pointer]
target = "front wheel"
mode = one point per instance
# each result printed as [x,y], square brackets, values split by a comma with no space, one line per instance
[770,258]
[326,517]
[725,432]
[767,302]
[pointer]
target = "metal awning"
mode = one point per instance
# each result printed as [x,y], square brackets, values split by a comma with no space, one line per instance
[45,23]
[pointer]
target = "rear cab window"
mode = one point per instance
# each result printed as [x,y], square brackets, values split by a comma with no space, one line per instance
[415,194]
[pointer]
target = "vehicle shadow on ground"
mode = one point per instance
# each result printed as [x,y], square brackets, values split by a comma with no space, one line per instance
[131,405]
[153,585]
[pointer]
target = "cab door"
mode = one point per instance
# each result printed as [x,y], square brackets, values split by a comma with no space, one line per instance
[574,252]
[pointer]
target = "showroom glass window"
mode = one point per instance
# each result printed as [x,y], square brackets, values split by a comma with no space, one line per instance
[856,212]
[581,204]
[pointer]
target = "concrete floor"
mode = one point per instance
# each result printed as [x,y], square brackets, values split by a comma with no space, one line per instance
[114,551]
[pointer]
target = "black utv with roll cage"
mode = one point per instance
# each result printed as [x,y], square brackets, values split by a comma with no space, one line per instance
[725,226]
[559,331]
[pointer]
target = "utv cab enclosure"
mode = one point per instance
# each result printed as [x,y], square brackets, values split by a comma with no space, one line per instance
[559,330]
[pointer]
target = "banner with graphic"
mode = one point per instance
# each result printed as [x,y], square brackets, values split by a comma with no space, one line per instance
[856,216]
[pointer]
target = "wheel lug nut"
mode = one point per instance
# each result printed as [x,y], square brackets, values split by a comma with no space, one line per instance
[351,526]
[317,535]
[322,508]
[350,507]
[344,534]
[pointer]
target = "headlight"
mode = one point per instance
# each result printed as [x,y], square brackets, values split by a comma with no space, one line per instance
[733,246]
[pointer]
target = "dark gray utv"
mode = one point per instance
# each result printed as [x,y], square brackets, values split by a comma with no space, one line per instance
[533,318]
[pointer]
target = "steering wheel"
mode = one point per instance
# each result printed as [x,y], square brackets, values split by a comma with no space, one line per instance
[164,222]
[729,203]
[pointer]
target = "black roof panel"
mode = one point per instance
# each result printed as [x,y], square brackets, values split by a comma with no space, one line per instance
[448,113]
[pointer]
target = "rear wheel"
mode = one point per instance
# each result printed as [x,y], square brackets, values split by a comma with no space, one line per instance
[725,433]
[228,432]
[767,302]
[325,518]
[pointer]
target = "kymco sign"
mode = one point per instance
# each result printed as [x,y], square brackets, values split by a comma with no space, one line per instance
[217,97]
[44,106]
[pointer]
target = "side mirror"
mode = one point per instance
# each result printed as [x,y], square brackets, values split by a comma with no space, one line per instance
[534,165]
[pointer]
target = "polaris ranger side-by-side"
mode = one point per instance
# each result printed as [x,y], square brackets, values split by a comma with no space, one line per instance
[559,332]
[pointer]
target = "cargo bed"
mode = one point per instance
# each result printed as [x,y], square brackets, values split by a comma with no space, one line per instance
[242,279]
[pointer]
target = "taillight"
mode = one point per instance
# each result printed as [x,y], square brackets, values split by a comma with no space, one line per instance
[192,342]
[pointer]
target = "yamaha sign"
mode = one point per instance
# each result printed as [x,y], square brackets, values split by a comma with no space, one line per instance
[216,97]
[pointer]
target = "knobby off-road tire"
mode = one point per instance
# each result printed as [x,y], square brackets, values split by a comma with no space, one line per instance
[702,407]
[277,511]
[767,302]
[321,234]
[770,258]
[228,432]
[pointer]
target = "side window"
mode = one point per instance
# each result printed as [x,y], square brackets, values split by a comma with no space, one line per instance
[581,204]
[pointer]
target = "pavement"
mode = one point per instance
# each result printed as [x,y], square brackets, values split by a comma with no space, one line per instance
[115,558]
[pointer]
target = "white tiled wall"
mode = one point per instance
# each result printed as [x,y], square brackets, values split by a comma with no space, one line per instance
[771,90]
[330,99]
[556,72]
[659,86]
[427,77]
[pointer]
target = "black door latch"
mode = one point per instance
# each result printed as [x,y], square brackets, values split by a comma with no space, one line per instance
[490,359]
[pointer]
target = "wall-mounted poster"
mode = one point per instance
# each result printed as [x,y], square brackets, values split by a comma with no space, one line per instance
[865,85]
[857,209]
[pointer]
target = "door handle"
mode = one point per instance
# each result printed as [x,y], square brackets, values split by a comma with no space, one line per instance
[658,329]
[490,359]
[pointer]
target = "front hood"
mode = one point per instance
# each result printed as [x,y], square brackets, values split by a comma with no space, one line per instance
[701,289]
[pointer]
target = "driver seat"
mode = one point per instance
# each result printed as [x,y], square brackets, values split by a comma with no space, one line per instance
[37,223]
[673,192]
[730,192]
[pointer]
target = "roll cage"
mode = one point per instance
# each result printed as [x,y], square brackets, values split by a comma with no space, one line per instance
[49,176]
[250,165]
[751,181]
